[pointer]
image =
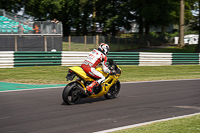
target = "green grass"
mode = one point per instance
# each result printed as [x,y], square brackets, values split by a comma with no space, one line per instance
[57,74]
[77,47]
[90,47]
[148,73]
[175,49]
[123,46]
[183,125]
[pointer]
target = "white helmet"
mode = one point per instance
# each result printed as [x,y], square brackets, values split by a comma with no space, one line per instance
[104,48]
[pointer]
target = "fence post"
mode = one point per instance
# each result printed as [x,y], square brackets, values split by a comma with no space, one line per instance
[108,39]
[45,43]
[15,43]
[69,43]
[97,40]
[118,42]
[85,41]
[132,39]
[126,42]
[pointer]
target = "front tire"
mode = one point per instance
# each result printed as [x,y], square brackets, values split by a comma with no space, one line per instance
[113,91]
[71,94]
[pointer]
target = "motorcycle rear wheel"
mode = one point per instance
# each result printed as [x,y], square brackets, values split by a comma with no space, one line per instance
[114,90]
[71,94]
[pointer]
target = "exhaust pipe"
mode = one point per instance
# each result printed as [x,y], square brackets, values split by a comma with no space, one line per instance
[82,90]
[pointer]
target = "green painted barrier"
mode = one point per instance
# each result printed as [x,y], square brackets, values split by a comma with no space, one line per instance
[125,58]
[185,58]
[40,58]
[37,58]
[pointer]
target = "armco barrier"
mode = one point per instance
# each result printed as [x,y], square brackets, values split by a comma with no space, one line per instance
[185,58]
[67,58]
[155,59]
[125,58]
[6,59]
[73,58]
[37,58]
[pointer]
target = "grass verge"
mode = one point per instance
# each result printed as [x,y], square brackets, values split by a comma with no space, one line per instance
[175,49]
[183,125]
[57,74]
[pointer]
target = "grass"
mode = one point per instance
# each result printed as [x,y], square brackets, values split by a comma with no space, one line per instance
[183,125]
[57,74]
[148,73]
[89,47]
[77,47]
[175,49]
[123,46]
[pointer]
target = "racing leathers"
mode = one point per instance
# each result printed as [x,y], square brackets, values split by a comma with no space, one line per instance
[89,65]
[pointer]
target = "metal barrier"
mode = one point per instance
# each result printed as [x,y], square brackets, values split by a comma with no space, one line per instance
[155,59]
[125,58]
[73,58]
[6,59]
[12,24]
[34,58]
[185,58]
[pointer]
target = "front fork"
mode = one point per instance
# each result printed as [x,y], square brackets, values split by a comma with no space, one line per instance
[106,85]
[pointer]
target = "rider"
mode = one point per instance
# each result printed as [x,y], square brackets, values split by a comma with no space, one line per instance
[94,58]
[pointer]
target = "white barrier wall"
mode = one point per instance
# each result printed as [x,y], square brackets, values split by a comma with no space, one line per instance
[155,59]
[73,58]
[199,58]
[6,59]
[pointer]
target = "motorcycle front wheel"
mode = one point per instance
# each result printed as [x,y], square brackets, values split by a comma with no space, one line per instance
[113,91]
[71,94]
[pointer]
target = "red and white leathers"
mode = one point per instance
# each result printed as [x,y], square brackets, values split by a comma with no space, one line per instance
[94,58]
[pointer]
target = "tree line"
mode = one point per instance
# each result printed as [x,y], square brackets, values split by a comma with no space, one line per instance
[86,15]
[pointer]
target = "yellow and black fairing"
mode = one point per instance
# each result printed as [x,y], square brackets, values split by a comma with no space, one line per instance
[103,88]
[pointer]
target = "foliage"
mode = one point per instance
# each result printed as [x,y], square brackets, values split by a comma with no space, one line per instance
[10,5]
[109,15]
[175,49]
[86,15]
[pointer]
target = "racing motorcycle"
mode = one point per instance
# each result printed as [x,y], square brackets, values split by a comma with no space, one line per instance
[76,90]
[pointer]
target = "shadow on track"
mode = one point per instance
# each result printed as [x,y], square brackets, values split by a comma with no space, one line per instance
[88,100]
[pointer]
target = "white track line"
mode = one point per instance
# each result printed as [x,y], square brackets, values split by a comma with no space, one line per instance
[145,123]
[157,81]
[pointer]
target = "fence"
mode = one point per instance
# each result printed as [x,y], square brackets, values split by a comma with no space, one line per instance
[21,59]
[116,43]
[30,43]
[12,24]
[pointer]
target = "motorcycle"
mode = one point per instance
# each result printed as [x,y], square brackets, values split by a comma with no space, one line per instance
[76,90]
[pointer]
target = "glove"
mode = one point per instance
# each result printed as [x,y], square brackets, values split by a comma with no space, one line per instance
[112,72]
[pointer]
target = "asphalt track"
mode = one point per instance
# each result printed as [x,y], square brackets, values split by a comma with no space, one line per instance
[43,111]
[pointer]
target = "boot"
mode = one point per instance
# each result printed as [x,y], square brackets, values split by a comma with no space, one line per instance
[91,86]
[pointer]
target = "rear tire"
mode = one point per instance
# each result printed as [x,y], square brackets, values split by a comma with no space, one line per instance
[114,90]
[71,94]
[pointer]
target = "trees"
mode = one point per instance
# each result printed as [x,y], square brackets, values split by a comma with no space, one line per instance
[181,24]
[109,14]
[153,13]
[10,5]
[198,46]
